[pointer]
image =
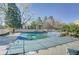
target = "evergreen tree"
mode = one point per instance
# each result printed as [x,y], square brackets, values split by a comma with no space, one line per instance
[13,16]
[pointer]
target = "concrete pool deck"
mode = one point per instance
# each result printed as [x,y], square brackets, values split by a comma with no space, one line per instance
[58,50]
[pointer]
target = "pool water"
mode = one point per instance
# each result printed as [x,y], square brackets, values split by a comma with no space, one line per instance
[33,35]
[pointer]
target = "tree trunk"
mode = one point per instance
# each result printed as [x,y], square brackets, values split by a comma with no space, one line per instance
[13,30]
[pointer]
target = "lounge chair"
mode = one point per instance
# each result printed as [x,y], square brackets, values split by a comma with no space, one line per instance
[73,51]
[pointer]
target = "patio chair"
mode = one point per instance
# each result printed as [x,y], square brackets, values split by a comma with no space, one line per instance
[73,51]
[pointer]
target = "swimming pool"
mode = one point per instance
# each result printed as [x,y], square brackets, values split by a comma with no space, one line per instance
[33,35]
[24,44]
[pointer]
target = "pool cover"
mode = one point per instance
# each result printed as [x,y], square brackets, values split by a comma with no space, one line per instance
[24,46]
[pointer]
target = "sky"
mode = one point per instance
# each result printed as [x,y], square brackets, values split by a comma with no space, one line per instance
[62,12]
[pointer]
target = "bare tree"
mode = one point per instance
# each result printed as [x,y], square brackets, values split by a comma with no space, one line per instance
[3,7]
[26,15]
[3,10]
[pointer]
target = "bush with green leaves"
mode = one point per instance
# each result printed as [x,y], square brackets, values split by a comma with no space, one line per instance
[72,28]
[66,28]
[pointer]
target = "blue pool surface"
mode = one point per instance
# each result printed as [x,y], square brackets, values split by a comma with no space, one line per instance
[34,41]
[32,35]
